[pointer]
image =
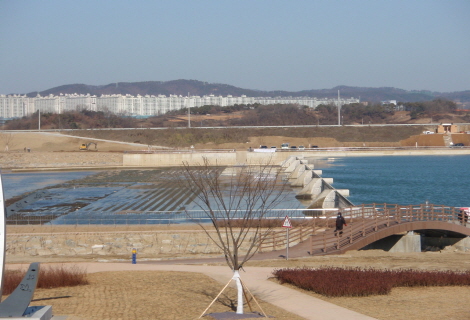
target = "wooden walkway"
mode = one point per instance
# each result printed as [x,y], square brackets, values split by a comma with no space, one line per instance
[365,225]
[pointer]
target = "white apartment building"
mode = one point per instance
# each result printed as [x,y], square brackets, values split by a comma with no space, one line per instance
[15,106]
[305,101]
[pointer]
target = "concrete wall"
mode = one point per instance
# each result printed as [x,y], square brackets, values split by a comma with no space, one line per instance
[177,159]
[254,158]
[195,158]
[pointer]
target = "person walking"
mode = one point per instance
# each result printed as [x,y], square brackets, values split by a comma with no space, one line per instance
[463,216]
[340,222]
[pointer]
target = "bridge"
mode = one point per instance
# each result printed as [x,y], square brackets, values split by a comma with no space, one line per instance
[366,224]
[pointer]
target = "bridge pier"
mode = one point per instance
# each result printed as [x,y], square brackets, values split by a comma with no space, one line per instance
[409,242]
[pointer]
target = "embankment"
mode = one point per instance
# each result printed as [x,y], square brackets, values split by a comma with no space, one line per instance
[98,160]
[62,243]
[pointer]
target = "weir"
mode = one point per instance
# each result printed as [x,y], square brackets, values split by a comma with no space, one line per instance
[315,188]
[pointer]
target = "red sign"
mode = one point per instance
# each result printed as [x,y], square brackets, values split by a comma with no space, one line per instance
[287,223]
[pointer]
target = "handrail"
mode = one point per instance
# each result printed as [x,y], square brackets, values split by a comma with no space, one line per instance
[376,217]
[362,222]
[276,239]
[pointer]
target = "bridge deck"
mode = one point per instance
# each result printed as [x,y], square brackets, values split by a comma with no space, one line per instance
[367,224]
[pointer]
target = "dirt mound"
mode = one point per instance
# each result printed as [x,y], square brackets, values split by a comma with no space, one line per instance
[54,142]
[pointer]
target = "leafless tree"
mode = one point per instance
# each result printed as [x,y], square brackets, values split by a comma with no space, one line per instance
[236,201]
[8,140]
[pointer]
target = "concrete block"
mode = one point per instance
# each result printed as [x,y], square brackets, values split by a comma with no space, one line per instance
[343,192]
[397,243]
[408,243]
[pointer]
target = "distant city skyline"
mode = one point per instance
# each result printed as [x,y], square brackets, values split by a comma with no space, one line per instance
[260,45]
[16,106]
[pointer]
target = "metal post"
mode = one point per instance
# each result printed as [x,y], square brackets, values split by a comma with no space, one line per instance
[189,113]
[363,222]
[287,245]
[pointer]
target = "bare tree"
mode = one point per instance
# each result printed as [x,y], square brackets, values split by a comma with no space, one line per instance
[236,203]
[9,140]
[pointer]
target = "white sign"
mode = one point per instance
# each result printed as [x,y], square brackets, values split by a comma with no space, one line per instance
[265,150]
[287,223]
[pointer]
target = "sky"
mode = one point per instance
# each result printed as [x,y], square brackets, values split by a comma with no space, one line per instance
[264,45]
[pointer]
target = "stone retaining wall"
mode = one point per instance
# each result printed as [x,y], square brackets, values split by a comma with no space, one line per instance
[148,244]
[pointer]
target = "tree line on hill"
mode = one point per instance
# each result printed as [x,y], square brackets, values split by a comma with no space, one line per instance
[194,87]
[249,115]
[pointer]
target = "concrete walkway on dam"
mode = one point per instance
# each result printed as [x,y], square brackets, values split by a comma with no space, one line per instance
[230,158]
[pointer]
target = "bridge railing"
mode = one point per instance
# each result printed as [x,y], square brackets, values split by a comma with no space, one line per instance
[369,218]
[128,217]
[277,239]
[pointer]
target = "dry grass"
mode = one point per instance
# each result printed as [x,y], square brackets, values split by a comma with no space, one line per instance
[49,277]
[430,303]
[359,282]
[238,138]
[145,295]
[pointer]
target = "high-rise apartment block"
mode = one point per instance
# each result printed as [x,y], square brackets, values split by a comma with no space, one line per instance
[15,106]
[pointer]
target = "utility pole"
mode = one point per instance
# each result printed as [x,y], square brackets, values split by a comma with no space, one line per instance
[39,120]
[189,113]
[339,111]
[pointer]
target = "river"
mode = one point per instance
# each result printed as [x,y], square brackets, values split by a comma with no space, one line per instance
[443,179]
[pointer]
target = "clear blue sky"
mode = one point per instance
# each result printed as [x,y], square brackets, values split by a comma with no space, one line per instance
[266,44]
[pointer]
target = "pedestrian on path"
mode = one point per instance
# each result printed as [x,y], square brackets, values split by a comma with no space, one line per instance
[340,222]
[463,216]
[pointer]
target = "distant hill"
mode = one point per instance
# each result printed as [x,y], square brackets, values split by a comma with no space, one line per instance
[200,88]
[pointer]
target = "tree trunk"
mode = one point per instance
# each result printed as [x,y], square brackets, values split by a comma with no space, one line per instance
[236,277]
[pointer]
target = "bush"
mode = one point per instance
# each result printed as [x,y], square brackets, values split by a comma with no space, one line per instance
[357,282]
[49,277]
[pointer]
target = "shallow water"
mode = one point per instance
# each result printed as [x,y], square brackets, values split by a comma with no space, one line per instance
[145,196]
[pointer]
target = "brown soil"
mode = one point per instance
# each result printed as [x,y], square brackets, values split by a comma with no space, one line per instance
[56,142]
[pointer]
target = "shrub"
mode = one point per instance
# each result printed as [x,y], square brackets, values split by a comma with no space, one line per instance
[357,282]
[49,277]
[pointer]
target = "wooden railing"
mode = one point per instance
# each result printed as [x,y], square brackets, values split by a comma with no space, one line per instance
[367,219]
[277,239]
[362,221]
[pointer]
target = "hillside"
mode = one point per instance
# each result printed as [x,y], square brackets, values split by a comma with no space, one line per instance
[244,138]
[200,88]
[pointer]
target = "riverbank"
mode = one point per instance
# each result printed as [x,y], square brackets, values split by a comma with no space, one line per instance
[52,151]
[42,161]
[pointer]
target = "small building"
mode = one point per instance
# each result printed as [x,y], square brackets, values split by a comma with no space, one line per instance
[447,128]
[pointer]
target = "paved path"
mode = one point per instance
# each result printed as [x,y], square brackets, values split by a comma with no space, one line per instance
[256,278]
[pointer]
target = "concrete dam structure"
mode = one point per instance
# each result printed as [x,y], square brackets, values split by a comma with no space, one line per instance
[318,190]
